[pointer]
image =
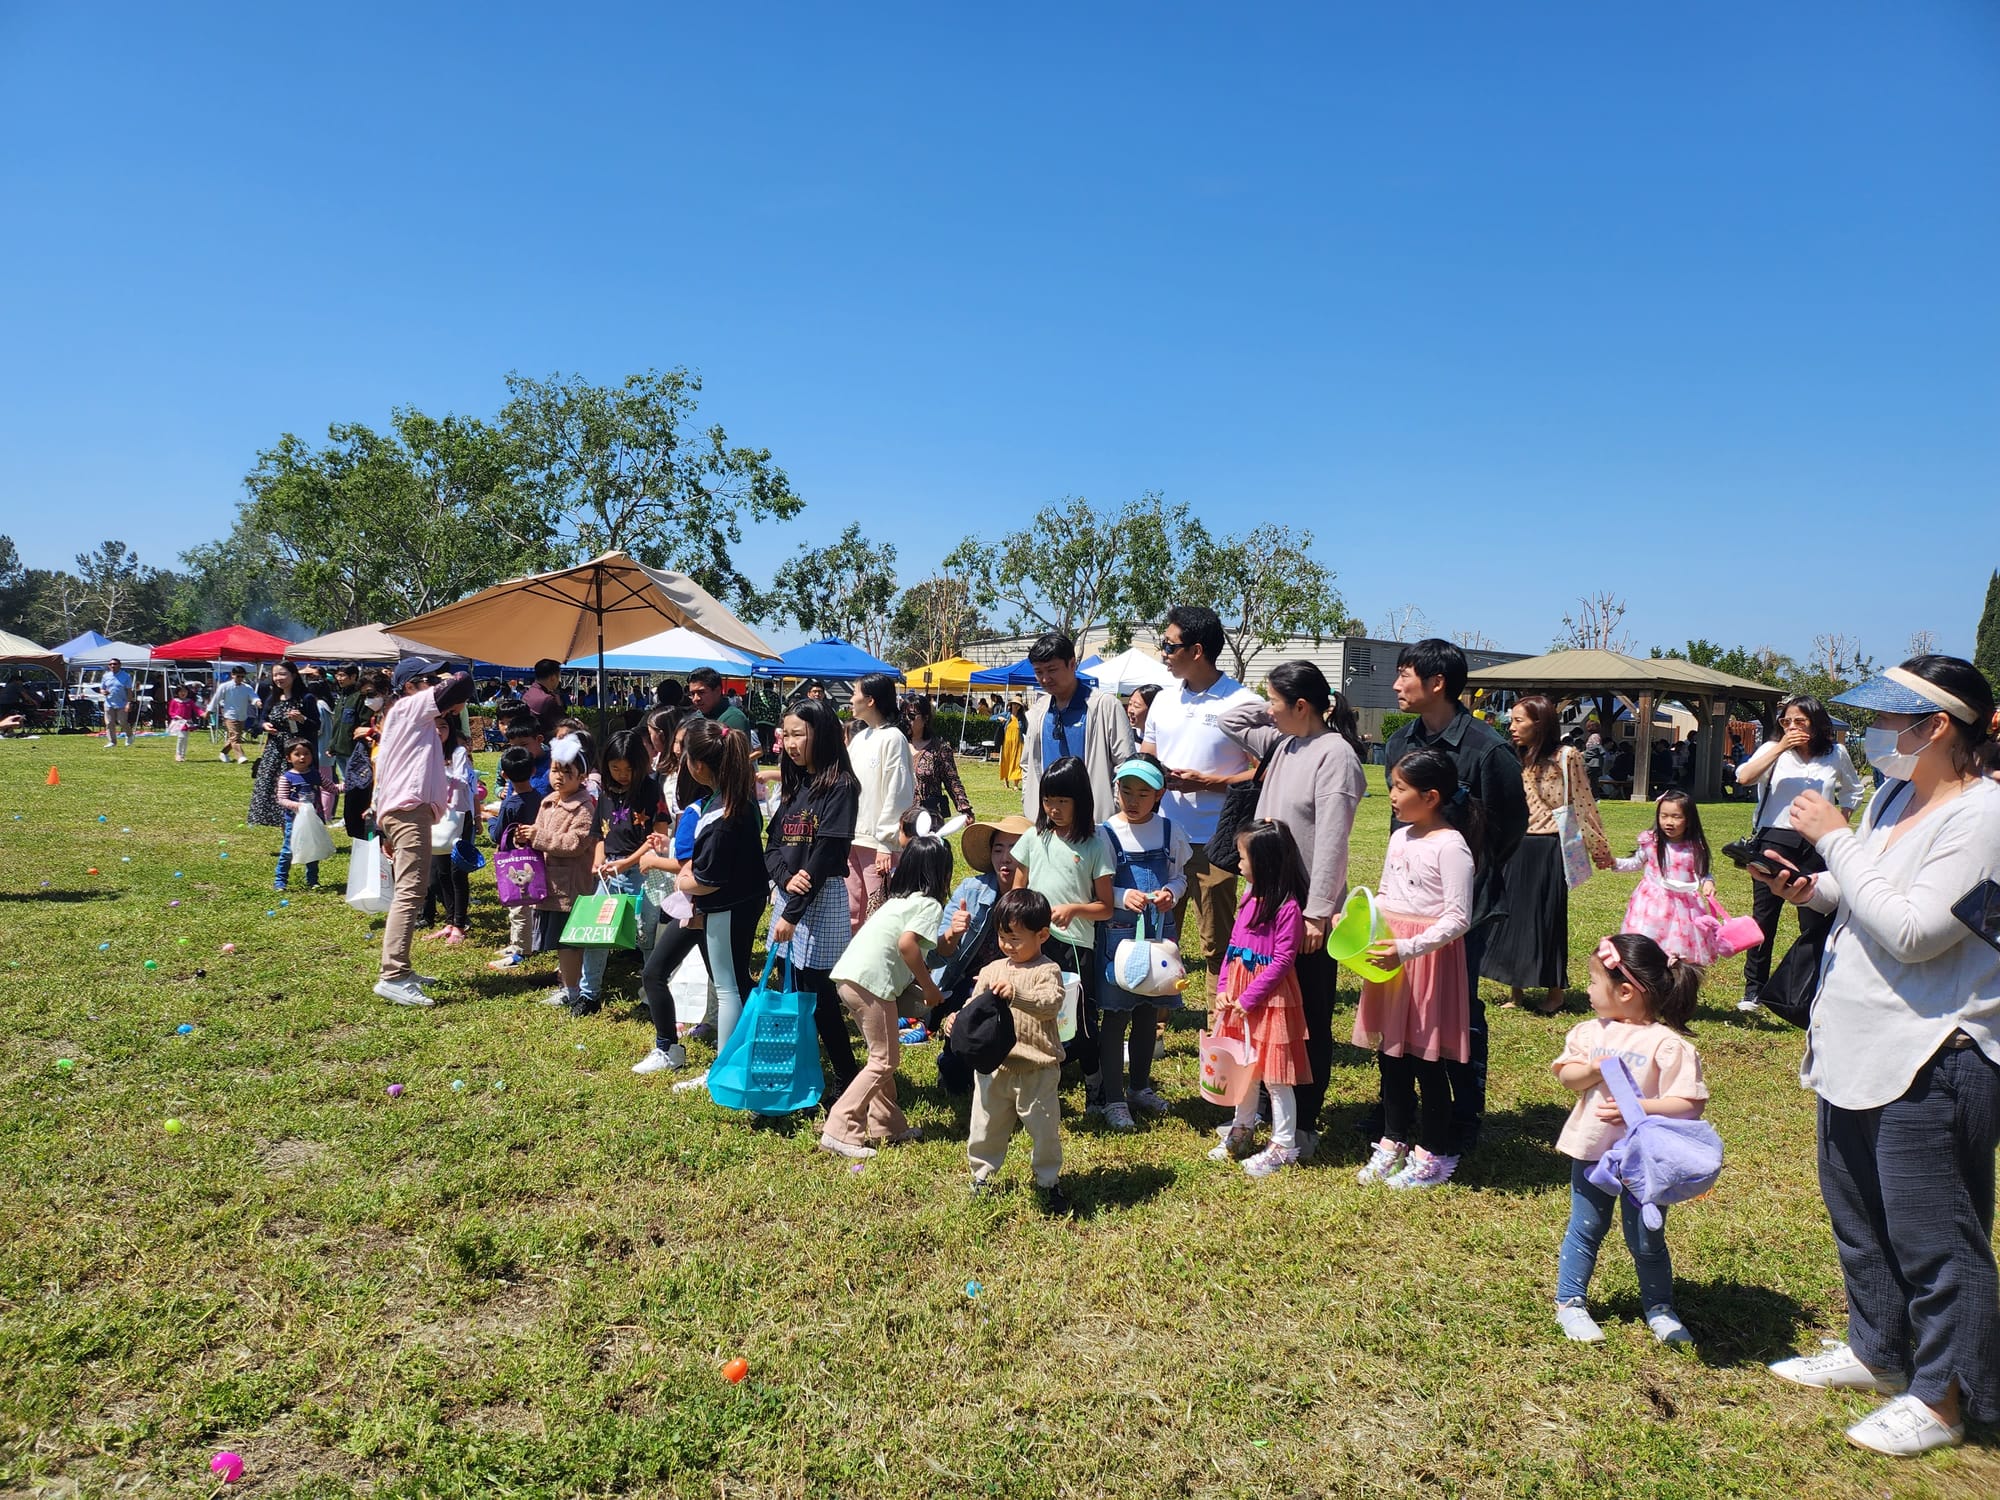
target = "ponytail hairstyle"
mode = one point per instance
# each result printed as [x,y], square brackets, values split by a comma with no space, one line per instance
[1277,871]
[1670,986]
[1973,751]
[725,755]
[1296,681]
[1345,722]
[830,763]
[879,688]
[1694,835]
[1429,770]
[1546,742]
[924,869]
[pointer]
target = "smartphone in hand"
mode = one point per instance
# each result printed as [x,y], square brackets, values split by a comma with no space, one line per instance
[1979,909]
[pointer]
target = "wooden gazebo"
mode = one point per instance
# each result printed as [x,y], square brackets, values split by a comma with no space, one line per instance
[1642,683]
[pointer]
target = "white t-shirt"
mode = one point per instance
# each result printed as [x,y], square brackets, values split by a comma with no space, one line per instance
[1147,839]
[1182,730]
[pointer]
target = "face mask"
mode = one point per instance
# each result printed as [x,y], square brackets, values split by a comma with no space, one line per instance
[373,702]
[1882,747]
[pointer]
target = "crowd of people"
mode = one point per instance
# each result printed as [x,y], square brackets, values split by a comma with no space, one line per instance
[1227,813]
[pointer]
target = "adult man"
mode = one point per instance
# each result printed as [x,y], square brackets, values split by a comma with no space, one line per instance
[705,693]
[117,703]
[1202,762]
[1430,678]
[543,697]
[1067,718]
[235,702]
[410,795]
[347,711]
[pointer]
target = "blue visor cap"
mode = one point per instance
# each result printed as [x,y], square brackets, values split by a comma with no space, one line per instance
[1139,770]
[1900,692]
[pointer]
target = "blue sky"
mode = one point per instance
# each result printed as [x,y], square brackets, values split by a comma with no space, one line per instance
[1503,302]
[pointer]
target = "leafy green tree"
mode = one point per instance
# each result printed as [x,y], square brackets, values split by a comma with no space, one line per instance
[625,467]
[15,594]
[1076,568]
[115,586]
[1986,645]
[844,589]
[1266,585]
[933,619]
[239,579]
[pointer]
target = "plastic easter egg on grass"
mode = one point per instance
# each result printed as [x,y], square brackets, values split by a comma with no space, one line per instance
[152,964]
[458,1085]
[499,1085]
[184,1030]
[173,1127]
[395,1091]
[223,855]
[103,947]
[177,875]
[173,903]
[65,1064]
[124,830]
[286,902]
[735,1370]
[91,871]
[102,819]
[124,859]
[228,947]
[973,1289]
[226,1466]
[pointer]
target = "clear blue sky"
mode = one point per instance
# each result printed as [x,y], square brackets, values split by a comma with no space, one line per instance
[1504,302]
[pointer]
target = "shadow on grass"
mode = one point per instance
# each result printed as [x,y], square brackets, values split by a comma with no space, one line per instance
[64,896]
[1106,1189]
[1734,1324]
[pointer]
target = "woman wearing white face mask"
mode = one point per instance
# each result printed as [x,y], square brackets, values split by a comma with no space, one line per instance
[1903,1050]
[1807,756]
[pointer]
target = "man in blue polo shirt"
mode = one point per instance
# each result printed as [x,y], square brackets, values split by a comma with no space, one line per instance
[117,703]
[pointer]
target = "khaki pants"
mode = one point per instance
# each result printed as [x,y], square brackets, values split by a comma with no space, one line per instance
[113,718]
[407,837]
[232,738]
[1031,1097]
[867,1108]
[1212,893]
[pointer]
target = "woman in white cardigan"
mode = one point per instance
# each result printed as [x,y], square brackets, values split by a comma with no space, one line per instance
[881,755]
[1903,1050]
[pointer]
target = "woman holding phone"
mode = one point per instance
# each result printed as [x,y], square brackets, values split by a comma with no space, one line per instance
[1903,1049]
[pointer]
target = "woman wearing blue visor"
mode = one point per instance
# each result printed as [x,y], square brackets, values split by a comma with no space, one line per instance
[1903,1050]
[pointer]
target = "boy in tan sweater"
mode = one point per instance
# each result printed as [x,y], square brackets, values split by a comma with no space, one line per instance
[1024,1089]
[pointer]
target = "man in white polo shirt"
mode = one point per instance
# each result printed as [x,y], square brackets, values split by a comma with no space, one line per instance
[1202,762]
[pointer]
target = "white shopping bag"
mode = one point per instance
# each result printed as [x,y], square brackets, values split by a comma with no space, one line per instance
[370,877]
[689,985]
[311,843]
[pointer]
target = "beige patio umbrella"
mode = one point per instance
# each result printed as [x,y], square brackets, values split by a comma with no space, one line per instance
[608,602]
[361,643]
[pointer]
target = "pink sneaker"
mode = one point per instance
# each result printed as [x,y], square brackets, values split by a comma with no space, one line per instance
[1425,1170]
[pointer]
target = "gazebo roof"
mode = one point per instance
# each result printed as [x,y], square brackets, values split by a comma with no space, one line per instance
[1613,671]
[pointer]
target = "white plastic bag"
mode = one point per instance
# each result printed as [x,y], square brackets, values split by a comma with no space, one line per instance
[370,877]
[311,843]
[689,986]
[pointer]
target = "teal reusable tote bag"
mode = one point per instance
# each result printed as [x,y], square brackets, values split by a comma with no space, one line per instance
[770,1064]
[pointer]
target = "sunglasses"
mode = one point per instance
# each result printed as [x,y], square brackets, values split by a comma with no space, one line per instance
[1168,648]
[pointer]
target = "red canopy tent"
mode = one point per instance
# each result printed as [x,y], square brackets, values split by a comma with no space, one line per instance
[231,643]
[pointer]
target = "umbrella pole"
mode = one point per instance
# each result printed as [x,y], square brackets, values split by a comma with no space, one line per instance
[600,665]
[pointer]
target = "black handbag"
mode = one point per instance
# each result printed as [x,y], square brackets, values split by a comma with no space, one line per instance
[1239,810]
[1793,986]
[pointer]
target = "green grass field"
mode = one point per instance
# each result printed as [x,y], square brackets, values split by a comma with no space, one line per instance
[530,1291]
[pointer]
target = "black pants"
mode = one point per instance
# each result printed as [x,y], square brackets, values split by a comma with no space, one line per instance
[1121,1076]
[1403,1078]
[1468,1078]
[451,889]
[1909,1192]
[670,947]
[354,803]
[1767,906]
[1319,978]
[830,1019]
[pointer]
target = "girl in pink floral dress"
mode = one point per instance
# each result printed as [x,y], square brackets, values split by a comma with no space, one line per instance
[1671,904]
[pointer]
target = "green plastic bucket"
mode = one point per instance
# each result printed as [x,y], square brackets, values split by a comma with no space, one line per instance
[1360,925]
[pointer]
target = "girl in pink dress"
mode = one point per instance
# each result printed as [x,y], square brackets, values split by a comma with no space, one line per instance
[1671,904]
[1420,1018]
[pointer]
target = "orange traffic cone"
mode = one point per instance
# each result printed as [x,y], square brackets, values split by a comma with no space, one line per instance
[54,779]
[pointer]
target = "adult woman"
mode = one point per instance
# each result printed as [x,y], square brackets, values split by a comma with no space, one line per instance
[1312,783]
[933,763]
[289,713]
[1010,744]
[805,855]
[1807,756]
[1139,708]
[880,753]
[1902,1051]
[1530,950]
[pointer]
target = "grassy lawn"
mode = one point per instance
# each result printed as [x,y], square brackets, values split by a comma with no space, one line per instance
[529,1291]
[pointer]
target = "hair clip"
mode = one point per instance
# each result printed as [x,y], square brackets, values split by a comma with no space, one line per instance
[1606,954]
[944,830]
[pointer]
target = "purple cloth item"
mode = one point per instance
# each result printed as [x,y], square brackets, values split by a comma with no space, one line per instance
[1659,1160]
[520,874]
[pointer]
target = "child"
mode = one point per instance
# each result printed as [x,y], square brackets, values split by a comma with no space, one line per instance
[1640,1000]
[1421,1017]
[517,809]
[885,958]
[565,831]
[297,788]
[631,810]
[181,714]
[724,873]
[1260,980]
[1670,905]
[1066,859]
[574,729]
[1024,1088]
[1149,853]
[450,886]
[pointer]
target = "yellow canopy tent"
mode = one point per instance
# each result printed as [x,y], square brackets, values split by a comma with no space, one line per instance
[952,675]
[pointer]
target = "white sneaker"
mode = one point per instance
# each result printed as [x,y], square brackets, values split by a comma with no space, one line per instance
[1424,1170]
[1838,1370]
[1119,1117]
[1148,1100]
[1271,1160]
[1746,1005]
[1577,1324]
[1903,1428]
[657,1061]
[689,1085]
[1384,1162]
[223,756]
[556,996]
[844,1148]
[402,992]
[1667,1326]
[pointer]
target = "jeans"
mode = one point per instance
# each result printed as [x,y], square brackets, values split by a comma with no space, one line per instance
[1468,1078]
[730,935]
[632,883]
[1589,1221]
[285,859]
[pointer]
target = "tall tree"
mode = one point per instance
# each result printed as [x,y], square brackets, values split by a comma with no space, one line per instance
[625,467]
[240,579]
[1076,568]
[844,589]
[1405,622]
[15,594]
[114,583]
[1986,644]
[934,619]
[1595,625]
[1267,586]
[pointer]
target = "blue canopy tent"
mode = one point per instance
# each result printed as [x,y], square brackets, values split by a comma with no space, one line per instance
[1020,674]
[830,659]
[676,650]
[76,645]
